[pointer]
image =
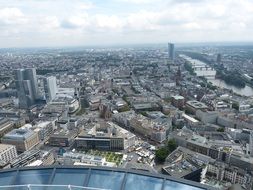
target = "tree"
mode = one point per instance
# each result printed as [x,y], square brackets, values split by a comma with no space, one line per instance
[189,68]
[220,129]
[235,106]
[81,111]
[124,97]
[210,86]
[161,154]
[144,113]
[123,109]
[172,145]
[202,84]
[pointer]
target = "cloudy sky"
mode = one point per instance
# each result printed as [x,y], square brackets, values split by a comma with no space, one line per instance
[28,23]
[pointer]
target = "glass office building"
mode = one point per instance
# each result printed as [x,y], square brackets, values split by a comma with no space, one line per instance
[90,178]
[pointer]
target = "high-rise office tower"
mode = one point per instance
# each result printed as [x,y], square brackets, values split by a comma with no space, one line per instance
[218,58]
[171,51]
[30,74]
[27,87]
[50,88]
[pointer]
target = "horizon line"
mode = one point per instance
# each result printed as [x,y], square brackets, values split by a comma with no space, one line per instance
[121,45]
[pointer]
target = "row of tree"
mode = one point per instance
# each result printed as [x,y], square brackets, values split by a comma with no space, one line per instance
[162,153]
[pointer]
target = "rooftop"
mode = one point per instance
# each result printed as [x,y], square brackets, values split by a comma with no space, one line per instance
[108,130]
[64,133]
[138,106]
[183,161]
[19,134]
[197,104]
[43,124]
[189,118]
[178,97]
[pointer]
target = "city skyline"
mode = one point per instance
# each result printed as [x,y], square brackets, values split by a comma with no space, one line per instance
[84,23]
[127,109]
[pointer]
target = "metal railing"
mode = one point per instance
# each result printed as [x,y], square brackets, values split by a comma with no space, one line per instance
[47,187]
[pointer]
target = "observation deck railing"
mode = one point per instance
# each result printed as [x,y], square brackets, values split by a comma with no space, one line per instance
[47,187]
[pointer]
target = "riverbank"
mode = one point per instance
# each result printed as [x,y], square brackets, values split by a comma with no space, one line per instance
[246,91]
[230,77]
[243,91]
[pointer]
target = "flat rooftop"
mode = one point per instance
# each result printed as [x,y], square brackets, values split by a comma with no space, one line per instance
[138,106]
[64,133]
[178,97]
[197,104]
[217,136]
[182,162]
[189,118]
[19,134]
[43,124]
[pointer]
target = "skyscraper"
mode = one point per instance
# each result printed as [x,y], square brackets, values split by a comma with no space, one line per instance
[171,51]
[30,74]
[50,88]
[218,60]
[27,87]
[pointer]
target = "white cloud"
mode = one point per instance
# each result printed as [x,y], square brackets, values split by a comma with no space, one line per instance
[108,22]
[85,5]
[138,1]
[125,20]
[49,22]
[12,16]
[80,20]
[143,20]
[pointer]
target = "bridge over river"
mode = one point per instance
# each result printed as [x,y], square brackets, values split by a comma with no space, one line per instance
[204,70]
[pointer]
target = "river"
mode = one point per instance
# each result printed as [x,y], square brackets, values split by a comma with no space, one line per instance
[246,91]
[202,69]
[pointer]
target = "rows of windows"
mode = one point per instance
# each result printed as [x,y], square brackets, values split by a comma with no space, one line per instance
[8,154]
